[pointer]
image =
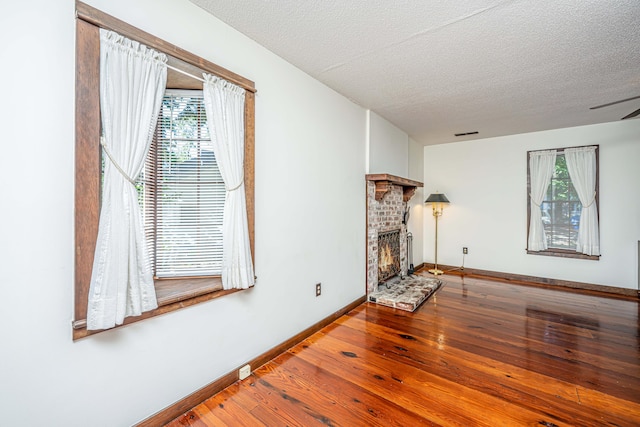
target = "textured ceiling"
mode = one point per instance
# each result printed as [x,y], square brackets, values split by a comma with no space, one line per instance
[436,68]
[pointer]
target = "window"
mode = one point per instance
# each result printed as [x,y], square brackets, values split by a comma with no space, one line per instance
[560,209]
[184,168]
[182,193]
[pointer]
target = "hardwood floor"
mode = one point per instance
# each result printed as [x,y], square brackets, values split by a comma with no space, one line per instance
[478,353]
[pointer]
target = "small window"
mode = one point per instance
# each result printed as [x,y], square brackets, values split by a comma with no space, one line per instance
[560,206]
[181,191]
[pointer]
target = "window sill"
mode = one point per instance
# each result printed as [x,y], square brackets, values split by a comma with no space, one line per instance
[564,253]
[169,291]
[172,295]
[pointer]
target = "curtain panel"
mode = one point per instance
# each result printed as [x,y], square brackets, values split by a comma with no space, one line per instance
[581,164]
[132,83]
[224,105]
[541,167]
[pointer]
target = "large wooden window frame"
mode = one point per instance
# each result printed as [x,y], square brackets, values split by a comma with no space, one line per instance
[558,252]
[172,294]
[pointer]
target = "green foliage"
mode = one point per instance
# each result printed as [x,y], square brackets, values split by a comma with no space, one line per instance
[182,126]
[562,207]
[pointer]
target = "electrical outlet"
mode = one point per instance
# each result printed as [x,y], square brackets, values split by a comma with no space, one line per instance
[465,250]
[318,289]
[244,372]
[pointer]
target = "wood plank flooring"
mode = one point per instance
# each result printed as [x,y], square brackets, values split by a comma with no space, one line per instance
[478,353]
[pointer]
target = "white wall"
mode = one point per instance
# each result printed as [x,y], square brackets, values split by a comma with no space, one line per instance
[486,182]
[310,207]
[388,147]
[416,218]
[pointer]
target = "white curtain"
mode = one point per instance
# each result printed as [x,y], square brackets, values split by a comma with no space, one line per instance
[224,104]
[581,164]
[132,83]
[541,168]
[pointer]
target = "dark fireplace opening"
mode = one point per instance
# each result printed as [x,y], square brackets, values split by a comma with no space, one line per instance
[388,255]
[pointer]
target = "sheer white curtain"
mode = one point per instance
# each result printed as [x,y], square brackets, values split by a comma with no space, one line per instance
[132,82]
[581,164]
[224,104]
[541,167]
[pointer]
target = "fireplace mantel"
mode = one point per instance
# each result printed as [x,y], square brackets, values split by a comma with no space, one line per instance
[384,181]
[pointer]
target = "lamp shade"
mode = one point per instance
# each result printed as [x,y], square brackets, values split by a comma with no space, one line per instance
[437,198]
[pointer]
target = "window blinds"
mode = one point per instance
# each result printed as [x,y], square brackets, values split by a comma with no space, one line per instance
[182,192]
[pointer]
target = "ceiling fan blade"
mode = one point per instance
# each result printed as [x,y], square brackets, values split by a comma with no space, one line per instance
[614,102]
[632,115]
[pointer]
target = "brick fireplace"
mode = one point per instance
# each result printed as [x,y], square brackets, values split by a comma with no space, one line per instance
[387,197]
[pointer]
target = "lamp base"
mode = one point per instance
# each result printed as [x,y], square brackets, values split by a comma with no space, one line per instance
[436,272]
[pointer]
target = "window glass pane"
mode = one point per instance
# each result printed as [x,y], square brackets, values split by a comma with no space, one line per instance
[561,209]
[184,192]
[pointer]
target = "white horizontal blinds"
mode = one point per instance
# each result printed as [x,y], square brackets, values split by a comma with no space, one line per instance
[184,192]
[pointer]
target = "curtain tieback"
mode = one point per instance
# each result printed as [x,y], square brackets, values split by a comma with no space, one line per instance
[593,199]
[123,173]
[237,186]
[533,201]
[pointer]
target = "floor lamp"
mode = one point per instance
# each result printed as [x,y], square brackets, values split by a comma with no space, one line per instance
[437,201]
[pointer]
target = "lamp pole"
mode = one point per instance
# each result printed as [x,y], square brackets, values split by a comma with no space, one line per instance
[437,200]
[435,271]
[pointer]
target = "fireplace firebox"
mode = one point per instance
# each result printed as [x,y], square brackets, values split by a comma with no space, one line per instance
[388,255]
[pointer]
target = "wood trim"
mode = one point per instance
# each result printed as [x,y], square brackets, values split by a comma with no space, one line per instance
[103,20]
[587,288]
[170,291]
[384,183]
[393,179]
[174,290]
[382,188]
[249,165]
[80,330]
[183,405]
[87,159]
[563,253]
